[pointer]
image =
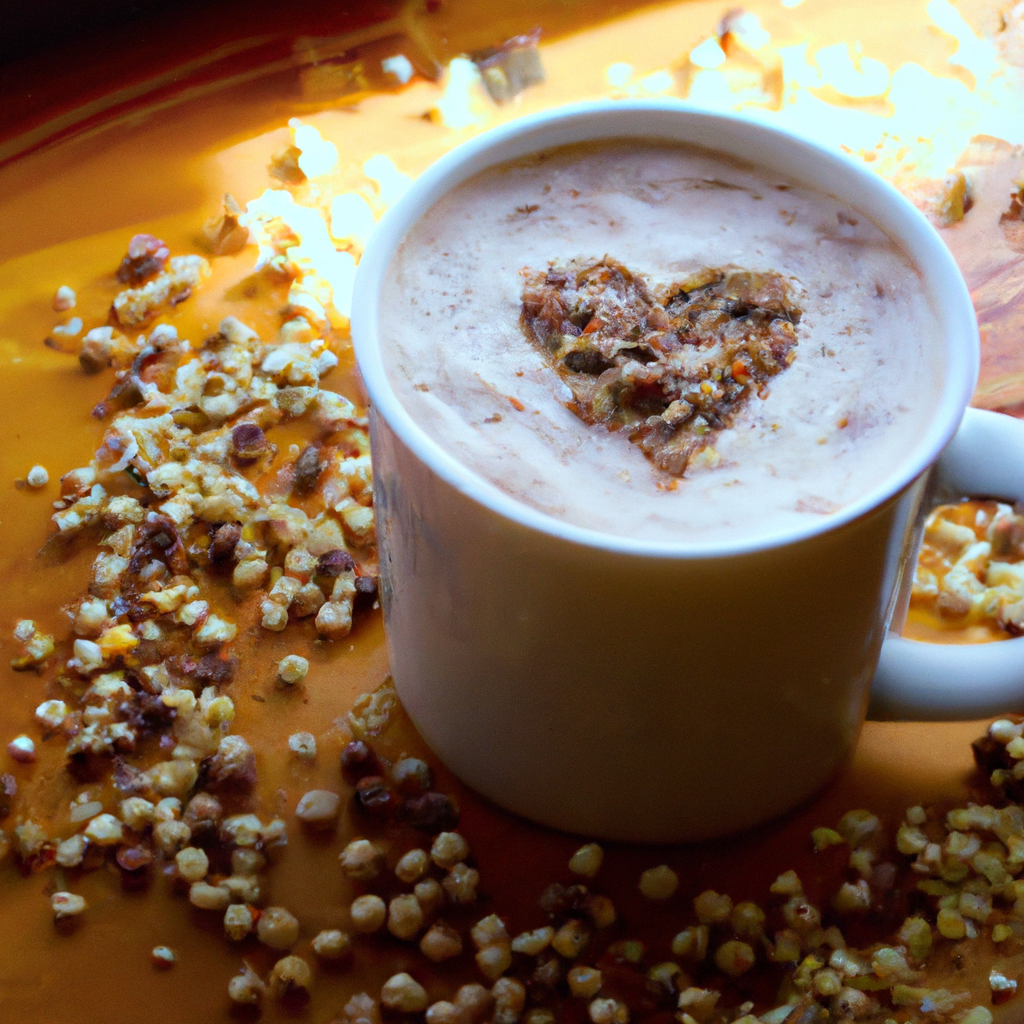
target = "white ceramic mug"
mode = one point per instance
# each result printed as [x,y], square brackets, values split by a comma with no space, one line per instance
[629,689]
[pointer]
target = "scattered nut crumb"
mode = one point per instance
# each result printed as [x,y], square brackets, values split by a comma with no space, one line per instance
[332,944]
[303,745]
[67,904]
[586,861]
[319,808]
[368,914]
[403,993]
[22,749]
[163,956]
[659,883]
[64,299]
[292,669]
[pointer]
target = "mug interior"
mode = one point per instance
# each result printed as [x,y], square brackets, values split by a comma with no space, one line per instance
[793,157]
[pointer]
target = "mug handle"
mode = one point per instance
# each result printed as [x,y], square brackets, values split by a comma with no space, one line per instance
[919,681]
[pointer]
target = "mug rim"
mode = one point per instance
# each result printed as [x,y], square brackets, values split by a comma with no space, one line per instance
[904,224]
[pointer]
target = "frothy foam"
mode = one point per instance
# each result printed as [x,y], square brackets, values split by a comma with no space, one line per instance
[863,386]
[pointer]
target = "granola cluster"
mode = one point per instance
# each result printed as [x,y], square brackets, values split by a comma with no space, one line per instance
[671,366]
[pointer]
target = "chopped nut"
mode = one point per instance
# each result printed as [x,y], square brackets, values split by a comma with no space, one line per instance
[532,943]
[460,884]
[104,830]
[233,767]
[494,960]
[403,993]
[251,573]
[292,669]
[659,883]
[51,713]
[37,477]
[475,1000]
[319,808]
[691,943]
[209,897]
[734,958]
[361,860]
[303,745]
[64,299]
[585,982]
[171,836]
[539,1015]
[608,1011]
[509,1000]
[441,942]
[747,921]
[368,914]
[916,816]
[238,921]
[30,839]
[570,939]
[977,1015]
[84,811]
[449,848]
[247,862]
[332,944]
[712,907]
[137,813]
[243,888]
[443,1012]
[823,838]
[290,974]
[489,930]
[787,884]
[412,777]
[361,1009]
[858,827]
[163,956]
[277,928]
[800,915]
[246,987]
[405,916]
[852,897]
[214,631]
[71,851]
[67,904]
[192,863]
[951,924]
[36,648]
[600,910]
[1000,983]
[412,866]
[586,861]
[430,895]
[22,749]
